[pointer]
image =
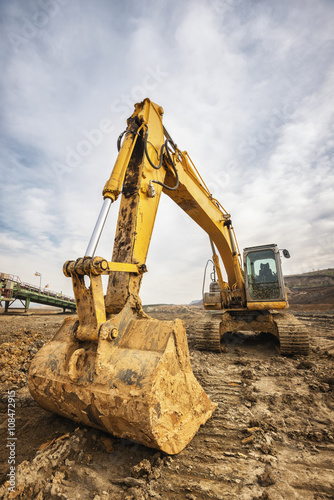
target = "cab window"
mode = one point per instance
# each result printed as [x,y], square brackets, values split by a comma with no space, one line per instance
[262,275]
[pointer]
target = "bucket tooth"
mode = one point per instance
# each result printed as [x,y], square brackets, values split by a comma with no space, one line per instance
[139,386]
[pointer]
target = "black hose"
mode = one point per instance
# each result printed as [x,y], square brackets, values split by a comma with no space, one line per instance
[119,140]
[173,167]
[164,146]
[206,265]
[147,155]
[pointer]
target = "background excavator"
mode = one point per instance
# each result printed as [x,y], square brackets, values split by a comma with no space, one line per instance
[112,366]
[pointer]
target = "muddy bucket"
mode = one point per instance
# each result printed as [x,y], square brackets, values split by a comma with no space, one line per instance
[138,386]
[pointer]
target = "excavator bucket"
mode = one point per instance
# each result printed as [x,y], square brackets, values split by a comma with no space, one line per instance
[135,382]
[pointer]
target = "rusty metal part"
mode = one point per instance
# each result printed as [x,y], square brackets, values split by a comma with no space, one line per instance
[138,385]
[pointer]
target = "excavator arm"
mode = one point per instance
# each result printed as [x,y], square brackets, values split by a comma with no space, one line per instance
[148,164]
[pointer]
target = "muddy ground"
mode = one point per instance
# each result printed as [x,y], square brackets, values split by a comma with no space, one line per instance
[271,437]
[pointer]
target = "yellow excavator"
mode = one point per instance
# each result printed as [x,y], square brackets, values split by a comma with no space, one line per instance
[113,367]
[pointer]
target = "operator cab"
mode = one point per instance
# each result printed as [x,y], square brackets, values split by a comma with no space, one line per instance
[263,274]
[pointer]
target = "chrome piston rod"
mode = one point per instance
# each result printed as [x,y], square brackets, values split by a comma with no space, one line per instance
[98,228]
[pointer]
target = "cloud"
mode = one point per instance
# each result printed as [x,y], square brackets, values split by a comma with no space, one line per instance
[247,91]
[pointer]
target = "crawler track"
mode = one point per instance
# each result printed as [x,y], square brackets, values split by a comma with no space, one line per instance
[293,336]
[208,334]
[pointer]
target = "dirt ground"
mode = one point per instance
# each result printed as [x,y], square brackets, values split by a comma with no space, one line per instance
[271,437]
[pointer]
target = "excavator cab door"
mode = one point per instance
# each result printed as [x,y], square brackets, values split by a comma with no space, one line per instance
[263,278]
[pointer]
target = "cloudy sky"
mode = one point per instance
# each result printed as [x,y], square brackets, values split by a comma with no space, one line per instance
[247,89]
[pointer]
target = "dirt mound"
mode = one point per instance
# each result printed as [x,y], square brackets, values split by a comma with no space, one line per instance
[314,290]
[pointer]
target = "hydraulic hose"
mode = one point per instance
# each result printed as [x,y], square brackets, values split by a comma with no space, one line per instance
[148,157]
[119,140]
[164,146]
[206,266]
